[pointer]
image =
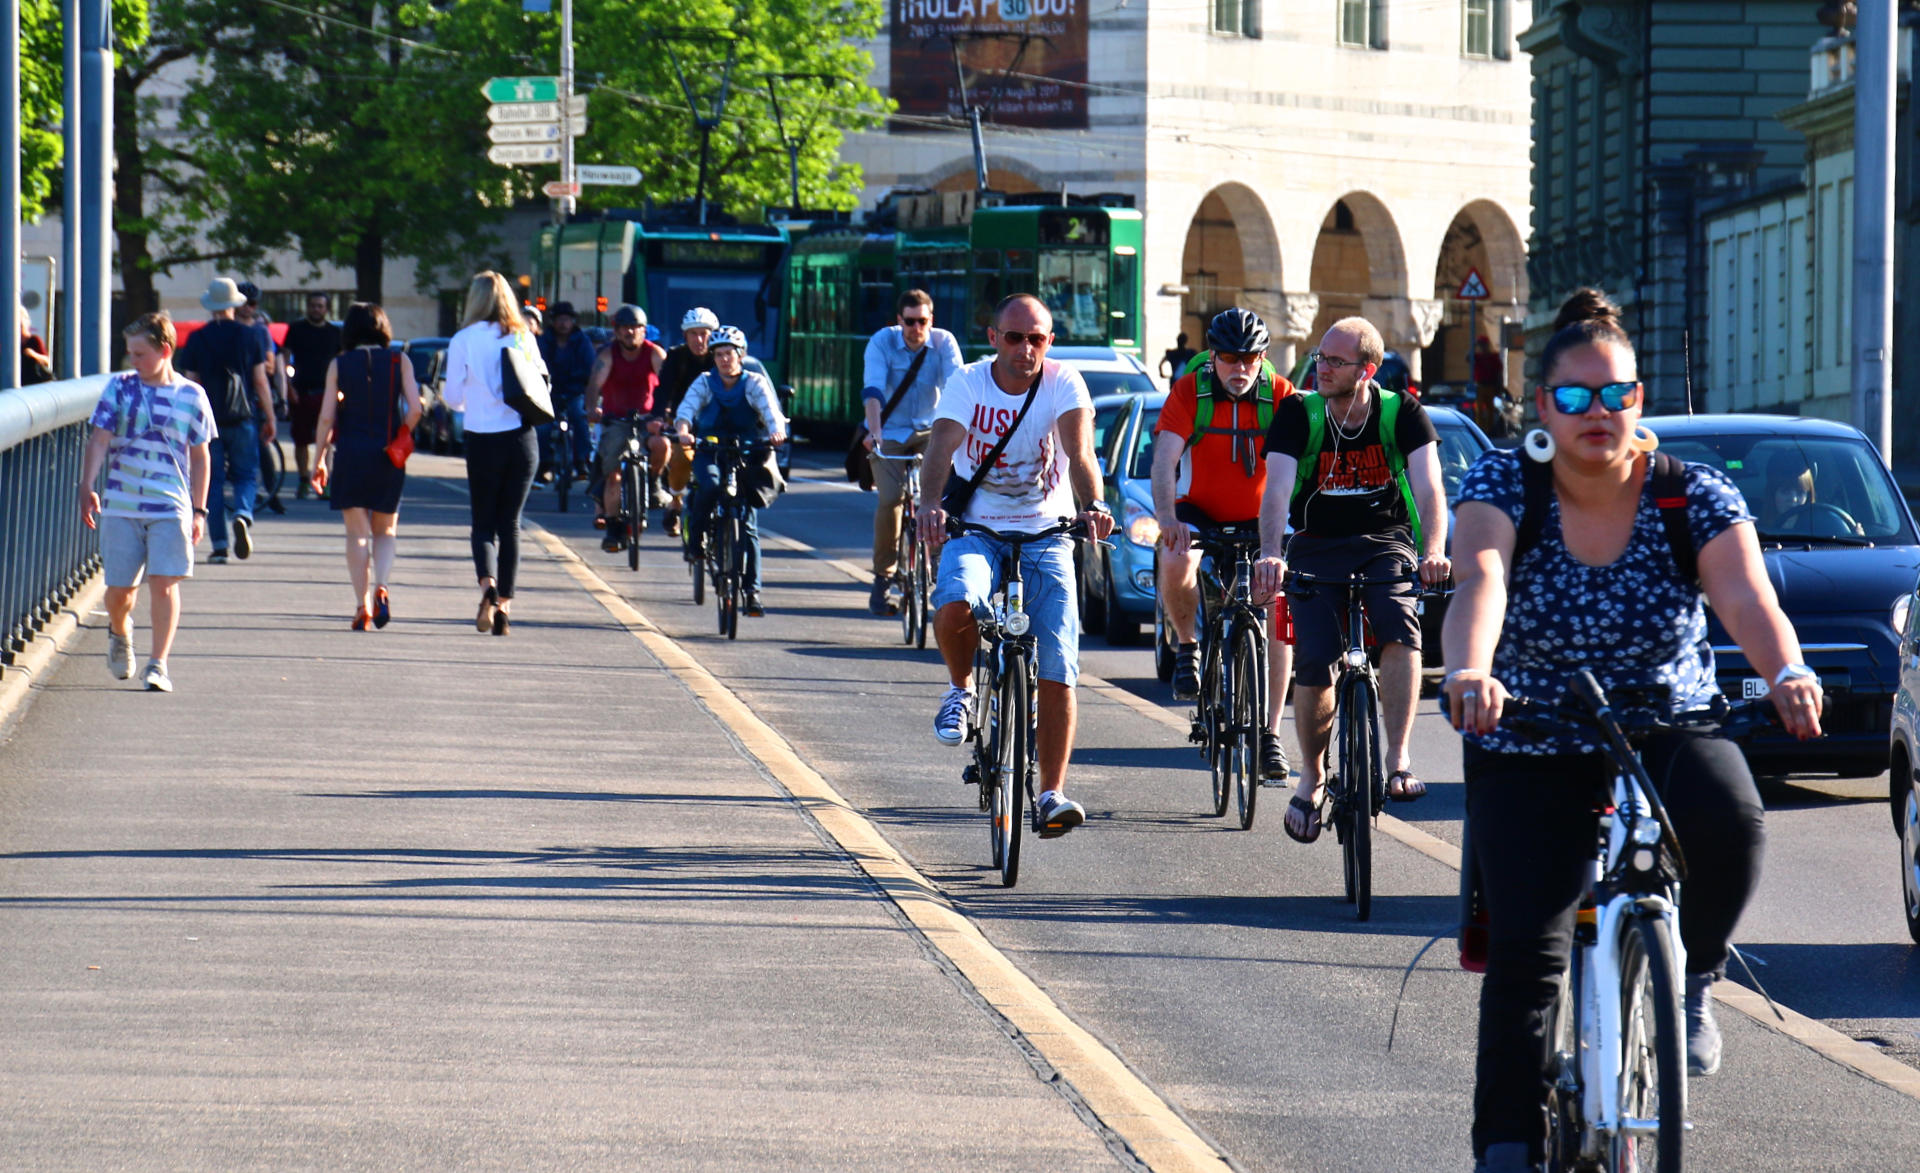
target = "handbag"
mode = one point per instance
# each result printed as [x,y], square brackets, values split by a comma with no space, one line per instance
[957,495]
[401,445]
[859,467]
[525,385]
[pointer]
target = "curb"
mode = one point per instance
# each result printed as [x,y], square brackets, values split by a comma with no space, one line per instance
[35,664]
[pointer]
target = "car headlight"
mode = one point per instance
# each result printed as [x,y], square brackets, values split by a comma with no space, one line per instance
[1143,529]
[1902,606]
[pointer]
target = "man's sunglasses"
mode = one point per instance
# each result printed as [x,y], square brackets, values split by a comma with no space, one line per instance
[1574,399]
[1015,338]
[914,321]
[1228,356]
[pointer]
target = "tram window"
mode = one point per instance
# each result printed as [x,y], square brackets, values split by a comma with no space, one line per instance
[1074,288]
[1126,295]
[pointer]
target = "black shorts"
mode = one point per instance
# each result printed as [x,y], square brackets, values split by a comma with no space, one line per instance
[1319,619]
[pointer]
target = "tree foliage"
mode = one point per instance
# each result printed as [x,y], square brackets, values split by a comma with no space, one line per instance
[42,82]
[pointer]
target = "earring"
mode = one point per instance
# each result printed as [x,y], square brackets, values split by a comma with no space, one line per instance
[1644,439]
[1538,445]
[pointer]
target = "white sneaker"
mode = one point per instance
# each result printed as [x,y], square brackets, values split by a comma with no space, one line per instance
[119,655]
[950,724]
[155,677]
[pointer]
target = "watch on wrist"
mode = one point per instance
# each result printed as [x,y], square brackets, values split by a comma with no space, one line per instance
[1796,672]
[1101,507]
[199,512]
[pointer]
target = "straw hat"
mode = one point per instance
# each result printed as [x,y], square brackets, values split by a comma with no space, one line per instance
[222,294]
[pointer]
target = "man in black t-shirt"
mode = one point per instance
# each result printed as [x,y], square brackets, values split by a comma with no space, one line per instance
[229,360]
[1363,506]
[312,344]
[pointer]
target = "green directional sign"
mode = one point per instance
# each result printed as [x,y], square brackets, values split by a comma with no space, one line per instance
[522,89]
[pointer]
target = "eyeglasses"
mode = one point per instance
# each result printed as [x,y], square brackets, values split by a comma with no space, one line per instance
[915,321]
[1334,363]
[1575,399]
[1016,338]
[1232,359]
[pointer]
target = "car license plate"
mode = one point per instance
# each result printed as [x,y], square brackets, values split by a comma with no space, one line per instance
[1753,688]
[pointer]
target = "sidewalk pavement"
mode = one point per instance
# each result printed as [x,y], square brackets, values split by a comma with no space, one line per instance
[423,898]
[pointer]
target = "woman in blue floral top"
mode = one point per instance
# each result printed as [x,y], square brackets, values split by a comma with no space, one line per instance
[1600,589]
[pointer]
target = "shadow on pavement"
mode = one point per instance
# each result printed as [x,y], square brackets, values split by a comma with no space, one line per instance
[1408,916]
[1837,981]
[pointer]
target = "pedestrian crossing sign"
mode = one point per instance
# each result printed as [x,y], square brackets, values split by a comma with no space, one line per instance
[1473,288]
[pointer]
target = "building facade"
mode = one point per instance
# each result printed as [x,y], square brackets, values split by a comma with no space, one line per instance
[1305,158]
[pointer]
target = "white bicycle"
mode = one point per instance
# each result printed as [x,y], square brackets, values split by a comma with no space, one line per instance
[1617,1065]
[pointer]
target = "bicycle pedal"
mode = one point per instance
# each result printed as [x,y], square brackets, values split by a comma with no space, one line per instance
[970,775]
[1197,734]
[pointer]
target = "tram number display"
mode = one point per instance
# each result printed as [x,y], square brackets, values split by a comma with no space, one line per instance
[1024,59]
[729,254]
[1059,228]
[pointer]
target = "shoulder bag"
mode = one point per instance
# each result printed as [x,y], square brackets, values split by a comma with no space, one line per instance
[859,468]
[525,384]
[959,494]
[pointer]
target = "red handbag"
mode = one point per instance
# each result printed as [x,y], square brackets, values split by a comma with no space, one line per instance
[401,445]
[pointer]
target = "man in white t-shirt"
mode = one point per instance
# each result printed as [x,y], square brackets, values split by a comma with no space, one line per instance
[1045,469]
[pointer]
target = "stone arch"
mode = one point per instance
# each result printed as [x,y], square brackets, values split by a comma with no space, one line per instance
[1231,257]
[1360,266]
[1004,174]
[1482,238]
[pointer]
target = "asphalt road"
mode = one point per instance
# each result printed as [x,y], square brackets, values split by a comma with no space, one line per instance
[1224,965]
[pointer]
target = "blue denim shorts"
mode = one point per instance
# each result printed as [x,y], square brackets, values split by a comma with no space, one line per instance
[970,572]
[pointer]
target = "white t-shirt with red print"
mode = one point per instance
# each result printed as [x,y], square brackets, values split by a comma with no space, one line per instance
[1027,490]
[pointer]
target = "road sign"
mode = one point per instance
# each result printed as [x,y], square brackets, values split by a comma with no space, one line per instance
[522,89]
[599,173]
[532,132]
[535,111]
[1473,288]
[556,189]
[522,154]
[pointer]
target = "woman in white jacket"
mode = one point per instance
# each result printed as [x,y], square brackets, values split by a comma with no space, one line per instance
[501,449]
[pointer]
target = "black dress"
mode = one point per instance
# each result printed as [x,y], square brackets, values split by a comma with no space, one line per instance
[369,411]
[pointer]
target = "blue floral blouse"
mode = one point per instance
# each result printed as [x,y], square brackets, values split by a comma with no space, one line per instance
[1633,621]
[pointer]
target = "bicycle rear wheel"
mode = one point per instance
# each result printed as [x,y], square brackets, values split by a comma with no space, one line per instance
[1359,778]
[1249,711]
[632,510]
[1013,722]
[1653,1071]
[562,466]
[1565,1125]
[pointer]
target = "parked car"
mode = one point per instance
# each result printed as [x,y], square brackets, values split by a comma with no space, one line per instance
[1116,585]
[1842,553]
[1107,371]
[1902,779]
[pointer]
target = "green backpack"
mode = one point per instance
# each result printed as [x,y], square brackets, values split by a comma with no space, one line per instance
[1316,405]
[1202,371]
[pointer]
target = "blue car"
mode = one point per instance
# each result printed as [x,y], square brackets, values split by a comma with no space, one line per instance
[1842,553]
[1116,585]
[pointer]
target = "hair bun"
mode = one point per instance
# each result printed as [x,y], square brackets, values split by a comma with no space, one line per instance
[1587,304]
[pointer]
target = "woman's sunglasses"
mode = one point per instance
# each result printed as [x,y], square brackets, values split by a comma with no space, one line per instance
[1574,399]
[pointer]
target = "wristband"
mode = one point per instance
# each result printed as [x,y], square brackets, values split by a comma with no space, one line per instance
[1796,672]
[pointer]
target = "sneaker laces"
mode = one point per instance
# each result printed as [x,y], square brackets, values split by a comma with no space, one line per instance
[953,710]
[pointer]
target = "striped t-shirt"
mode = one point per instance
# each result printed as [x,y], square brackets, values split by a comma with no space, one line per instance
[154,429]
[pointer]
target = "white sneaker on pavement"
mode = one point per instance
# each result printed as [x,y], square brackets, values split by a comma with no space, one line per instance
[120,655]
[155,677]
[1058,814]
[950,724]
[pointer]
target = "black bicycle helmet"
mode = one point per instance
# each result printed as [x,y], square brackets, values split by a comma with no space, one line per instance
[250,291]
[1237,331]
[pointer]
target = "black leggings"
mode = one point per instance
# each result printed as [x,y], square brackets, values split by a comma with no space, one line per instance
[1532,824]
[499,476]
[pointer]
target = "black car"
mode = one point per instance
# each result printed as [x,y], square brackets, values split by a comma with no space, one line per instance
[1841,551]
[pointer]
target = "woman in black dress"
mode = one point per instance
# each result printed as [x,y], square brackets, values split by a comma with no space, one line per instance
[371,396]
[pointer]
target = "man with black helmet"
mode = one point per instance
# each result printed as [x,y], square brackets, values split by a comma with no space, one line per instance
[1208,471]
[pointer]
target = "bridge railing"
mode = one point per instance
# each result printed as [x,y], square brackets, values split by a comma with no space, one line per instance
[45,551]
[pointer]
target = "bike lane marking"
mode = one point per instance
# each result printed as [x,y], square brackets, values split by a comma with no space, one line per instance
[1811,1033]
[1158,1135]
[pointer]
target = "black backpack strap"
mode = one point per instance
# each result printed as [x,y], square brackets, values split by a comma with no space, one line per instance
[1536,488]
[1669,475]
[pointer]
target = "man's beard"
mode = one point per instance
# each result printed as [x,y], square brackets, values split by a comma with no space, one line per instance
[1239,386]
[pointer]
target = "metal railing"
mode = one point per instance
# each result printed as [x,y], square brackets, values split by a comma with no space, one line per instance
[45,551]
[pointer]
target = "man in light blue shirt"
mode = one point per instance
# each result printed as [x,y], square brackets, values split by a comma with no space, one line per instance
[907,365]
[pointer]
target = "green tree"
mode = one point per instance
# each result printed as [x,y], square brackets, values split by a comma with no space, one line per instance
[42,79]
[356,131]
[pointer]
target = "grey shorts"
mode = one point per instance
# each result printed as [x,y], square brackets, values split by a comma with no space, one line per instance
[132,547]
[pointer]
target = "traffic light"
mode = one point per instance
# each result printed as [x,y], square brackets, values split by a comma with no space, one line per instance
[540,303]
[600,303]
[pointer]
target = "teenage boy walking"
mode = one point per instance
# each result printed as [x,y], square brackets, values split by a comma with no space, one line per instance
[150,431]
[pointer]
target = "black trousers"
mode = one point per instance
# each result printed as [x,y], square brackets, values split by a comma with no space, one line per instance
[500,468]
[1533,825]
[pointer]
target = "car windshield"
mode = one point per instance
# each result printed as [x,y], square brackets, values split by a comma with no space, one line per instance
[1830,489]
[1116,382]
[1141,466]
[1459,448]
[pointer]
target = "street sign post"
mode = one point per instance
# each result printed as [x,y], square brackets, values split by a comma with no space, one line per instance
[522,89]
[602,174]
[523,154]
[532,132]
[536,111]
[554,189]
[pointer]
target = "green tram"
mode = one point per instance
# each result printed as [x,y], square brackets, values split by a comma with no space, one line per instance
[1084,262]
[666,269]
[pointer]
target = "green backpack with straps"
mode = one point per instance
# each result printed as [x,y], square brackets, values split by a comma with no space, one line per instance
[1201,368]
[1316,405]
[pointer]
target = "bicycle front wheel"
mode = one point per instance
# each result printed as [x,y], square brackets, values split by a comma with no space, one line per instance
[1212,711]
[1359,779]
[921,588]
[1249,709]
[903,574]
[562,466]
[633,509]
[1653,1072]
[1013,724]
[726,587]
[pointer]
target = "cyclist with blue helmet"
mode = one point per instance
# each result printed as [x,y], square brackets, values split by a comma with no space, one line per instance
[729,400]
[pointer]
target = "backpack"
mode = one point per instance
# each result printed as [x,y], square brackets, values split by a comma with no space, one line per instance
[1204,406]
[1669,478]
[228,392]
[1316,405]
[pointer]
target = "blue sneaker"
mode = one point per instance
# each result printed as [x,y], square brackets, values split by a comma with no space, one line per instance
[950,725]
[1058,814]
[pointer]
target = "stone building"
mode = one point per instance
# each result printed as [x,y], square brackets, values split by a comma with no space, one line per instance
[1305,158]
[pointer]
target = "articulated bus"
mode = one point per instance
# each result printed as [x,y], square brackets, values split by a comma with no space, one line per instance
[1084,262]
[666,269]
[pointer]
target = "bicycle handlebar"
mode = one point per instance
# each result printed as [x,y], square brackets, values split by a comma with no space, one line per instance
[1065,527]
[1306,583]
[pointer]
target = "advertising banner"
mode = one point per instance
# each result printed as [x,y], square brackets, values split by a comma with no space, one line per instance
[1040,38]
